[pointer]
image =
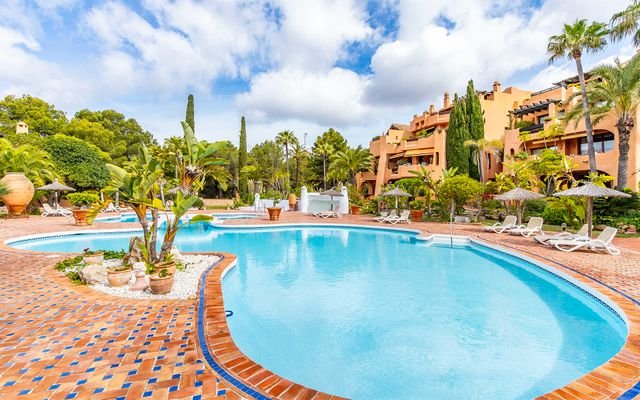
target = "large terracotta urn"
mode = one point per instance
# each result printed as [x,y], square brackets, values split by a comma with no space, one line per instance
[21,192]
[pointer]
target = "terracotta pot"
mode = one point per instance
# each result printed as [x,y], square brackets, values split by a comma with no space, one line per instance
[159,285]
[274,213]
[95,258]
[170,266]
[20,194]
[355,210]
[416,215]
[292,201]
[80,216]
[118,278]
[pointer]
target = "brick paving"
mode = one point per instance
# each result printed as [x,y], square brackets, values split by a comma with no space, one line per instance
[59,340]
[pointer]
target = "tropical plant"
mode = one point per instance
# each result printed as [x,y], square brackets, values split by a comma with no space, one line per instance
[300,155]
[429,184]
[4,190]
[197,160]
[286,139]
[614,90]
[572,43]
[480,147]
[352,161]
[627,22]
[190,113]
[324,150]
[35,163]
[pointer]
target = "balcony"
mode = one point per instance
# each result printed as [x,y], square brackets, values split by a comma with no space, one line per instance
[532,128]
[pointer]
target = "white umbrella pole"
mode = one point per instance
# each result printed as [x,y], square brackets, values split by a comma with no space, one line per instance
[396,203]
[590,214]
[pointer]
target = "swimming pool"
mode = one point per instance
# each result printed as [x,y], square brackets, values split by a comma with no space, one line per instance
[365,313]
[131,217]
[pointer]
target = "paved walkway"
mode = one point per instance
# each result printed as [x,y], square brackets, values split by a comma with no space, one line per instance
[60,341]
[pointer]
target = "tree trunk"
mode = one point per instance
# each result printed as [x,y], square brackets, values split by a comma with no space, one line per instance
[297,171]
[624,125]
[324,172]
[154,235]
[481,163]
[587,117]
[286,158]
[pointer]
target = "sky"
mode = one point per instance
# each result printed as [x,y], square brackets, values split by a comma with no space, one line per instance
[303,65]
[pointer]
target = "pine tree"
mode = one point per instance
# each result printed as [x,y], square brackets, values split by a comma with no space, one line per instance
[457,154]
[190,119]
[475,119]
[242,160]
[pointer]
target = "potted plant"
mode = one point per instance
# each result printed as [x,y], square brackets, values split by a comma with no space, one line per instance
[292,201]
[355,207]
[119,276]
[356,199]
[161,283]
[274,212]
[168,264]
[82,200]
[417,210]
[92,257]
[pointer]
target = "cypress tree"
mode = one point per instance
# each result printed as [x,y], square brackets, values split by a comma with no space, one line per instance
[242,160]
[457,154]
[475,119]
[190,119]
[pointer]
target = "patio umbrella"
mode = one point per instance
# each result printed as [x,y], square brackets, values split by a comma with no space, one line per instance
[332,193]
[56,187]
[519,195]
[396,193]
[589,191]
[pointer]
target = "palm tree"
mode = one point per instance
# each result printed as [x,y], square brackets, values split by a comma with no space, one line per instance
[286,139]
[35,163]
[615,90]
[571,43]
[627,22]
[324,150]
[352,161]
[481,146]
[299,154]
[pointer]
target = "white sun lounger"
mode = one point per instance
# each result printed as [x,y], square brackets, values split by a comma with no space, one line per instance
[327,214]
[510,222]
[55,212]
[602,242]
[383,215]
[545,239]
[386,216]
[404,218]
[533,226]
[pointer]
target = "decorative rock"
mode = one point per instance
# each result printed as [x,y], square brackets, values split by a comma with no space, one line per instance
[135,254]
[600,227]
[93,274]
[631,229]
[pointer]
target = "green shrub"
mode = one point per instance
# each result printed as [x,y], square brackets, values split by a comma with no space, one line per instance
[460,189]
[534,208]
[416,205]
[554,216]
[114,254]
[71,268]
[80,199]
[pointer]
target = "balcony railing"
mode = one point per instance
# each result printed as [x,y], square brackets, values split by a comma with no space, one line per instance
[532,128]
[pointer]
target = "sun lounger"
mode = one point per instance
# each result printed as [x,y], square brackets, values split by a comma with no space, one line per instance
[602,242]
[403,218]
[545,239]
[534,226]
[327,214]
[386,215]
[55,212]
[112,208]
[510,222]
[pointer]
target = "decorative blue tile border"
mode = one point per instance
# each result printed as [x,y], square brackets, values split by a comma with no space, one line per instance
[204,346]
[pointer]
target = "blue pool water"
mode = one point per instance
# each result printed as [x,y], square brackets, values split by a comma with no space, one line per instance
[379,315]
[130,217]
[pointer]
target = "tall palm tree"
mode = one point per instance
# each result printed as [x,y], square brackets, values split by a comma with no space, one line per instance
[352,160]
[627,22]
[324,150]
[616,90]
[35,163]
[482,146]
[299,154]
[286,139]
[571,43]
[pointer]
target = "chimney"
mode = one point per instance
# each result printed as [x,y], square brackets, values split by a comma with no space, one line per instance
[496,87]
[447,100]
[22,127]
[432,109]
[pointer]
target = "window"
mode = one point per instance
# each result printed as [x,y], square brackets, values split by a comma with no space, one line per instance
[601,143]
[429,159]
[489,160]
[542,117]
[437,158]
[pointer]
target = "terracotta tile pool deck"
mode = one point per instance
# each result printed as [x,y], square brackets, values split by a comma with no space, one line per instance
[64,341]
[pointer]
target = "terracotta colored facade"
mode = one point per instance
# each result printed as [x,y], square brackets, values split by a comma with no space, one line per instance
[518,118]
[405,148]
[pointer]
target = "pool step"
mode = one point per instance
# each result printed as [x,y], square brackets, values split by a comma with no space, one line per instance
[440,239]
